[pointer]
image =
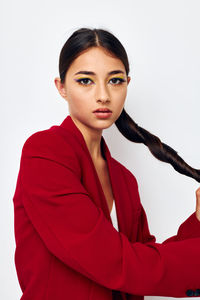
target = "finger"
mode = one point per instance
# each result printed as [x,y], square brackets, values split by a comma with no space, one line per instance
[198,198]
[198,203]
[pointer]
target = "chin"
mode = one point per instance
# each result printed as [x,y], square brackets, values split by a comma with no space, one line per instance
[107,124]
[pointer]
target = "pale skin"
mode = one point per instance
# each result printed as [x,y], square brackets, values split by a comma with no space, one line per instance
[98,90]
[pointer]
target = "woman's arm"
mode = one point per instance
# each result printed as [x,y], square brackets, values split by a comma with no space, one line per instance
[77,232]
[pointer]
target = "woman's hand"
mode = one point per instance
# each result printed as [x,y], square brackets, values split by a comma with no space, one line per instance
[198,203]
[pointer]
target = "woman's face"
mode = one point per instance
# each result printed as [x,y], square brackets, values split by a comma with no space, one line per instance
[88,92]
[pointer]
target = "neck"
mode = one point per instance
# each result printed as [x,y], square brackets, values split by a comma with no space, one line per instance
[92,139]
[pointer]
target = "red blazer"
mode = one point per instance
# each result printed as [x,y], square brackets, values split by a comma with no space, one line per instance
[66,245]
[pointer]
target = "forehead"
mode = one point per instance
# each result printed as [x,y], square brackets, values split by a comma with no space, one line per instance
[96,58]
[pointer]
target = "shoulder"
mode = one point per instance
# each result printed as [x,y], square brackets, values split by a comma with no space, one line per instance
[53,144]
[51,138]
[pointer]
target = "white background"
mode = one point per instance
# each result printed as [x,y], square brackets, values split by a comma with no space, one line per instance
[162,42]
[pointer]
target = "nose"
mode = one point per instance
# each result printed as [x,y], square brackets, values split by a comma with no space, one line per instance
[102,93]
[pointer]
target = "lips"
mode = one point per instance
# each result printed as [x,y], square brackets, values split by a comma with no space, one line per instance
[102,110]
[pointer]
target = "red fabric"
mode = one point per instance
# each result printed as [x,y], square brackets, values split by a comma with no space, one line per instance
[66,245]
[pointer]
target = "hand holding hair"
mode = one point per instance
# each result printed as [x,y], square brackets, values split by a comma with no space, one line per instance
[198,203]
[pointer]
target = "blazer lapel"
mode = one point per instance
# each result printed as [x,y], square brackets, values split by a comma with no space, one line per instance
[116,176]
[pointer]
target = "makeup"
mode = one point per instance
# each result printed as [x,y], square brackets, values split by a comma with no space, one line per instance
[80,79]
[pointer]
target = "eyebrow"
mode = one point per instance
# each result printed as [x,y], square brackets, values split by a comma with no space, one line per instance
[92,73]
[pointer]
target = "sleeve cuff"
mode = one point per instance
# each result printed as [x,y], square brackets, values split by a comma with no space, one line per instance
[190,228]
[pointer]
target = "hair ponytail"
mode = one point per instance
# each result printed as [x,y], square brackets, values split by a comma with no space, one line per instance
[161,151]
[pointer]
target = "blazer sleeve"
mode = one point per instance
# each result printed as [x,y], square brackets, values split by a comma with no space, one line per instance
[77,232]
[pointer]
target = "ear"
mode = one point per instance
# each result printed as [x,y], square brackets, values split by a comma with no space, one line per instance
[60,87]
[128,79]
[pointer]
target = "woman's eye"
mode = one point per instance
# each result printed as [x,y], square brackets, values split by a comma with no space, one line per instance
[83,81]
[119,80]
[116,81]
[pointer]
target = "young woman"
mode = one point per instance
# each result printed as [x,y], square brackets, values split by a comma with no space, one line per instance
[69,188]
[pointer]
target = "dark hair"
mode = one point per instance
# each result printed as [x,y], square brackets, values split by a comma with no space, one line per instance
[85,38]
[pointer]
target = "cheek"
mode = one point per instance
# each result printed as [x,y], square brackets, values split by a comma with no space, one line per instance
[120,96]
[78,100]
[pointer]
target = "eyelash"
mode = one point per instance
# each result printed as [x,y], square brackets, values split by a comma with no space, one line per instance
[81,79]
